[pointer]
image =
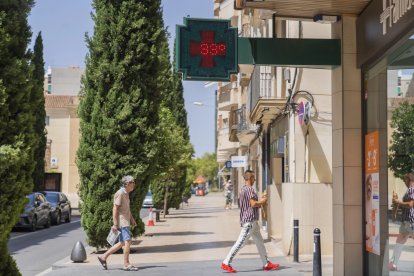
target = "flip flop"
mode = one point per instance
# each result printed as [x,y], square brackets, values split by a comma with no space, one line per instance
[103,263]
[131,268]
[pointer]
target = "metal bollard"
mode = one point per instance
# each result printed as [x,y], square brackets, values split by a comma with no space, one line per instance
[317,264]
[157,215]
[296,240]
[78,254]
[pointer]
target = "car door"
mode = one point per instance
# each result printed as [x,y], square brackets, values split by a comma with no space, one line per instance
[38,209]
[43,209]
[63,205]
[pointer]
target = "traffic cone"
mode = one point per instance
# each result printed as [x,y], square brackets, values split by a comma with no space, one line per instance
[150,218]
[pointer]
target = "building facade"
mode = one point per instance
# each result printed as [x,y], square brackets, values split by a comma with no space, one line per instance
[308,133]
[62,126]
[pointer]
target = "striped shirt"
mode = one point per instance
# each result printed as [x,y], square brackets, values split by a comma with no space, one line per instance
[408,213]
[247,212]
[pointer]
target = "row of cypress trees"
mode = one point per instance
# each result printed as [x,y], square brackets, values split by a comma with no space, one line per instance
[22,120]
[132,112]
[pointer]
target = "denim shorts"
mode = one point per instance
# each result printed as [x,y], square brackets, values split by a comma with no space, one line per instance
[125,234]
[407,228]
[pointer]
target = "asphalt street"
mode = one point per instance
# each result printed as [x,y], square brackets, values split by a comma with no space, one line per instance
[37,251]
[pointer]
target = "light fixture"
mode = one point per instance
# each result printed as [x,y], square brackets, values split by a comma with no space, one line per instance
[321,18]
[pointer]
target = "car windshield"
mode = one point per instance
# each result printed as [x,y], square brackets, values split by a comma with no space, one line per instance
[52,197]
[149,194]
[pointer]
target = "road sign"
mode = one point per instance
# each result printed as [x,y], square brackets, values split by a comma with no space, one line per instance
[307,113]
[301,112]
[206,49]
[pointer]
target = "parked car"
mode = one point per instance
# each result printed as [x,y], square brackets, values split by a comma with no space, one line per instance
[37,212]
[147,200]
[61,208]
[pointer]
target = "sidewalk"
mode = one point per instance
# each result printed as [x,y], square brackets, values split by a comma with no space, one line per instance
[192,241]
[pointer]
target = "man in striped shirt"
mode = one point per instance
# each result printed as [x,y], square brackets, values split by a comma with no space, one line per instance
[407,224]
[249,215]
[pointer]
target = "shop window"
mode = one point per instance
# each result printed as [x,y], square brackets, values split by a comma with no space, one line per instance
[389,113]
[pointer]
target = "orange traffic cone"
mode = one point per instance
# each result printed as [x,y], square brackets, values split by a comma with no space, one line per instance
[150,218]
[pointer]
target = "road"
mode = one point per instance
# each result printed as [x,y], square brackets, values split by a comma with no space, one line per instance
[35,252]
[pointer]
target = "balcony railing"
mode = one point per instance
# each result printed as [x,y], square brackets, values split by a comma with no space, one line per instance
[239,123]
[242,122]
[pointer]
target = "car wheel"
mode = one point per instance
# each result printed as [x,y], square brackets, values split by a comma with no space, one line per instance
[49,221]
[33,226]
[58,218]
[69,217]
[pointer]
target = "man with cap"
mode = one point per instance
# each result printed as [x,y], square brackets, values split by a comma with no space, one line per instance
[122,221]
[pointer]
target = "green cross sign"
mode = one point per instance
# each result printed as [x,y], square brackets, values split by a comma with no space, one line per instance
[206,49]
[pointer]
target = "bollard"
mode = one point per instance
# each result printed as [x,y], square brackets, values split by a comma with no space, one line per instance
[317,264]
[157,215]
[296,240]
[78,254]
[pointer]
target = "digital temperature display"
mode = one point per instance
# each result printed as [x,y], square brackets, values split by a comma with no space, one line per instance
[207,49]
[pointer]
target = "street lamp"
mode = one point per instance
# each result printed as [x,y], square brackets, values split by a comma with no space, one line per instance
[199,103]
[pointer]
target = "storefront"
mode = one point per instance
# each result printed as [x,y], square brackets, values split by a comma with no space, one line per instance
[385,44]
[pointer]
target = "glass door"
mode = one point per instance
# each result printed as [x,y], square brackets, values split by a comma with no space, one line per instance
[389,160]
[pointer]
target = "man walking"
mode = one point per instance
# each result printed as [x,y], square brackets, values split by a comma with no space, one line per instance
[122,219]
[249,215]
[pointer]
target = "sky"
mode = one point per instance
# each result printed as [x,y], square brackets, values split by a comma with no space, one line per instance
[64,23]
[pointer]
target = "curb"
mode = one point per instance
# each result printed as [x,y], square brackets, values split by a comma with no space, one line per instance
[66,262]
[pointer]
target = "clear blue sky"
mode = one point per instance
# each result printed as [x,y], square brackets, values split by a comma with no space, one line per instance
[63,24]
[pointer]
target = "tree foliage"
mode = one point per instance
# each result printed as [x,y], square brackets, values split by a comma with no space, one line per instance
[205,166]
[176,153]
[401,151]
[171,176]
[17,137]
[38,101]
[119,109]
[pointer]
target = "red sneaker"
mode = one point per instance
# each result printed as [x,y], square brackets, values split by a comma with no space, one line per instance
[270,266]
[227,268]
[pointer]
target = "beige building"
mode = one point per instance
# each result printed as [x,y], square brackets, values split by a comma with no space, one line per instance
[315,170]
[292,161]
[62,126]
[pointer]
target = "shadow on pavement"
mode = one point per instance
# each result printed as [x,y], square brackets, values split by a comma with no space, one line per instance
[182,247]
[189,217]
[282,267]
[184,233]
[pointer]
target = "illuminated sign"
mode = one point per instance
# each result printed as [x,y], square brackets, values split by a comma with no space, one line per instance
[206,49]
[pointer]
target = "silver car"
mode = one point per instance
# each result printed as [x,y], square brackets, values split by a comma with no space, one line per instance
[148,200]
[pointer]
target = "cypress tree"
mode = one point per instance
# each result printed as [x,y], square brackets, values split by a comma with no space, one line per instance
[38,102]
[171,180]
[16,122]
[119,110]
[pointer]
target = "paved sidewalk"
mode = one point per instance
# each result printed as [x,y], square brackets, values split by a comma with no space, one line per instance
[192,241]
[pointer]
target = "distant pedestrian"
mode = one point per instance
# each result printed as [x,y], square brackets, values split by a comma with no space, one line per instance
[249,215]
[123,220]
[407,225]
[228,193]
